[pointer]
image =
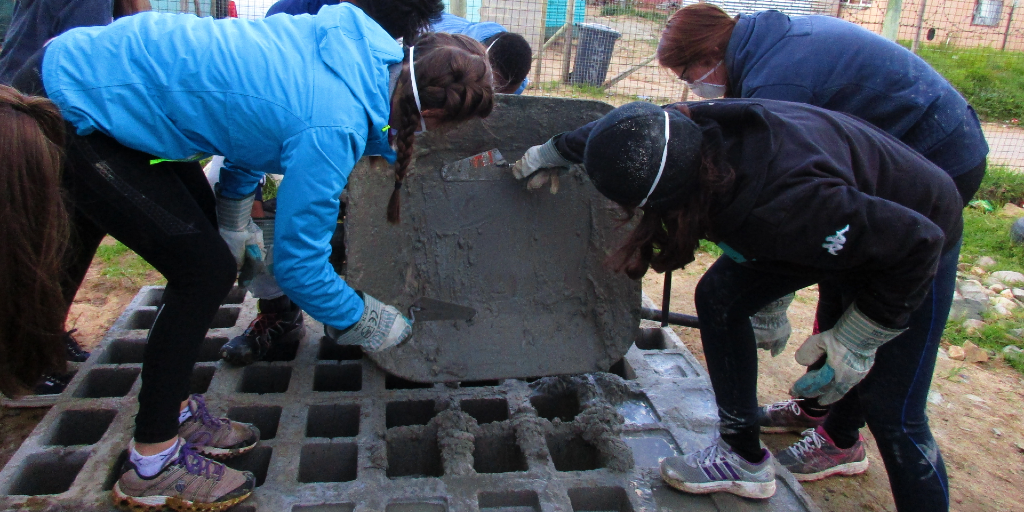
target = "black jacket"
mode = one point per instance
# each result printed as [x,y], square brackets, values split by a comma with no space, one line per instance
[823,193]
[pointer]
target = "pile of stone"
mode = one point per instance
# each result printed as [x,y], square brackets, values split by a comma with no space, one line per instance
[982,292]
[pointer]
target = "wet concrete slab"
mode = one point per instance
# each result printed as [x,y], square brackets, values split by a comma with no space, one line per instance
[530,263]
[341,434]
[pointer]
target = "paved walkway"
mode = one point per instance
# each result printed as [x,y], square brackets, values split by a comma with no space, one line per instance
[1006,144]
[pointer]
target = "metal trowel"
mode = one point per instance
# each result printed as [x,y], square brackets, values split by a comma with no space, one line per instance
[425,309]
[486,166]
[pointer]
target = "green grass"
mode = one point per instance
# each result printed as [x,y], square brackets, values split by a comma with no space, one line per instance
[710,248]
[629,10]
[120,262]
[1002,185]
[992,80]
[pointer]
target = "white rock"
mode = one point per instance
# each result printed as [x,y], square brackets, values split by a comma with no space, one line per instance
[1008,277]
[975,398]
[973,290]
[1001,311]
[1004,302]
[934,397]
[974,353]
[1018,293]
[1008,293]
[985,262]
[973,324]
[997,432]
[998,288]
[956,353]
[1012,349]
[943,354]
[1011,210]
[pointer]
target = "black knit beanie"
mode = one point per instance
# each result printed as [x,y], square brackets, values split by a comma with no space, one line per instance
[624,152]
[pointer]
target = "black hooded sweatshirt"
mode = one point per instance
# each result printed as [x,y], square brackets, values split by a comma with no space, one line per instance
[823,193]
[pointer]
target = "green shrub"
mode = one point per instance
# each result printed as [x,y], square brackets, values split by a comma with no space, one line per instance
[991,80]
[1002,185]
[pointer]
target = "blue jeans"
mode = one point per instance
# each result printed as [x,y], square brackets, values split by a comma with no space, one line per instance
[891,399]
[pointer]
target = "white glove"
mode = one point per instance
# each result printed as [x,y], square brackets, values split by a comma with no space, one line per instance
[243,236]
[544,156]
[771,325]
[381,327]
[850,348]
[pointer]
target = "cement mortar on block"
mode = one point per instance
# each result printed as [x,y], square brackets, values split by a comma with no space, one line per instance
[530,263]
[577,442]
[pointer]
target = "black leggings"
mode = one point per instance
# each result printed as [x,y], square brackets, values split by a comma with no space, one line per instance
[165,213]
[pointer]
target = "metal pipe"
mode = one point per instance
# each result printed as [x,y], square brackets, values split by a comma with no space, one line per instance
[673,318]
[666,299]
[920,25]
[628,72]
[567,47]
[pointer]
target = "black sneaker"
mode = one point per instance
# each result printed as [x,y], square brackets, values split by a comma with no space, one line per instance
[268,333]
[75,352]
[44,394]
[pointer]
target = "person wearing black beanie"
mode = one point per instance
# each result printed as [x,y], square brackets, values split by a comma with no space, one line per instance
[793,195]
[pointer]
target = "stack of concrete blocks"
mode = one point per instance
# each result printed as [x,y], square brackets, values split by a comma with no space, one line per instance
[339,434]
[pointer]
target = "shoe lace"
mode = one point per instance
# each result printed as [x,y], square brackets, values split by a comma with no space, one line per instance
[201,413]
[812,441]
[196,464]
[263,323]
[72,343]
[705,457]
[792,405]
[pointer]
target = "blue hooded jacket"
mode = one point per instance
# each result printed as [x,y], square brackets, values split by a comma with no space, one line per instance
[837,65]
[302,96]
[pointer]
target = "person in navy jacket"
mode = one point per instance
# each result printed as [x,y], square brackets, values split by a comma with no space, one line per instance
[794,195]
[840,66]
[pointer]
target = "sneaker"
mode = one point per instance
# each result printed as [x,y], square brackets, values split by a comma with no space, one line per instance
[787,416]
[189,482]
[815,457]
[219,438]
[265,332]
[719,469]
[74,351]
[44,394]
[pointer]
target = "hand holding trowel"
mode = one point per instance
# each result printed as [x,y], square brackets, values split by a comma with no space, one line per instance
[425,309]
[541,164]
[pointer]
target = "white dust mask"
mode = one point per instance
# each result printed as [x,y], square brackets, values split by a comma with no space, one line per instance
[706,90]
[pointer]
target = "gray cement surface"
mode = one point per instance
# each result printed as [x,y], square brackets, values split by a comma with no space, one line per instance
[530,263]
[340,434]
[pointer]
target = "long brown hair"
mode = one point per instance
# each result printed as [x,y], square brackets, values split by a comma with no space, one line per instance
[34,232]
[694,34]
[453,75]
[124,8]
[665,240]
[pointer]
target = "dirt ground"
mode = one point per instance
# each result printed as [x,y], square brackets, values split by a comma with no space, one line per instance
[979,422]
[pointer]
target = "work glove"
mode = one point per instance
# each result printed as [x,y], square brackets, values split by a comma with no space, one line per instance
[545,157]
[771,325]
[381,327]
[849,348]
[243,236]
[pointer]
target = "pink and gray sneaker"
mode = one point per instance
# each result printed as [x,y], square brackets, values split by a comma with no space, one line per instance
[816,457]
[787,416]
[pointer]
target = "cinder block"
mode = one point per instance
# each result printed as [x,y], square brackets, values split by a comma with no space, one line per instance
[341,435]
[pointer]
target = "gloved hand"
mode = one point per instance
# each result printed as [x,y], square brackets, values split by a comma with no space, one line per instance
[850,348]
[771,325]
[243,236]
[544,156]
[381,327]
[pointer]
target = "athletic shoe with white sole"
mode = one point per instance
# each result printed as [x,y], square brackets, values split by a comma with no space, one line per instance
[787,416]
[218,438]
[718,468]
[816,457]
[190,482]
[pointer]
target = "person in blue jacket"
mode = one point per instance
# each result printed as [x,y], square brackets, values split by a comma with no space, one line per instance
[794,195]
[510,54]
[308,97]
[840,66]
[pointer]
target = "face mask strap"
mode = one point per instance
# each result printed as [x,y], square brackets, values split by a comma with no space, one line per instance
[701,79]
[415,89]
[661,169]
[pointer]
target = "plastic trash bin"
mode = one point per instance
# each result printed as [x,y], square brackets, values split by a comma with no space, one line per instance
[594,53]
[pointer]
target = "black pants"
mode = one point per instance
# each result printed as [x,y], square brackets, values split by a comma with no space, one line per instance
[165,213]
[892,397]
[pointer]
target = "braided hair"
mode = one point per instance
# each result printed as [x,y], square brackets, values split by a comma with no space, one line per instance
[453,76]
[34,230]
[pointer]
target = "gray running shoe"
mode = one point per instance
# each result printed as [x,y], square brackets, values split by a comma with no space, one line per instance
[219,438]
[787,416]
[719,469]
[816,457]
[189,482]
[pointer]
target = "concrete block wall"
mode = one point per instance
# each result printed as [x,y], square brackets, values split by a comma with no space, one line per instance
[341,435]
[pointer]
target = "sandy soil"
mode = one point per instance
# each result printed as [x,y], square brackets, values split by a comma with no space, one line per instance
[979,423]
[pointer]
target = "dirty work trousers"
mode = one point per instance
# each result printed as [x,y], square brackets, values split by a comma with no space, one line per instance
[892,398]
[166,213]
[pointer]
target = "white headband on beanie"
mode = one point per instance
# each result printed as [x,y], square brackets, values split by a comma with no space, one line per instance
[664,157]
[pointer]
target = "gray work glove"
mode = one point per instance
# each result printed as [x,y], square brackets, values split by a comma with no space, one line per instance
[381,327]
[849,348]
[544,156]
[771,325]
[243,236]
